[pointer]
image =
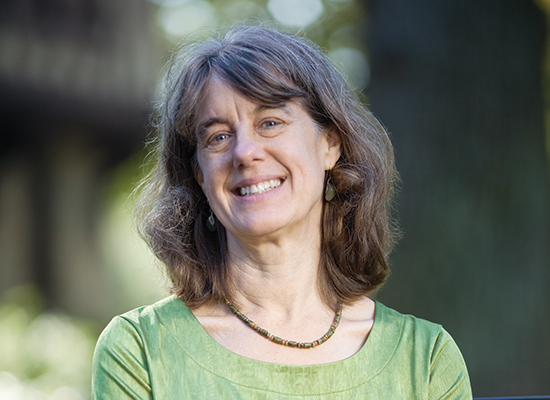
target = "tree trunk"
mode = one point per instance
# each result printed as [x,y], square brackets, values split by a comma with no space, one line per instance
[458,84]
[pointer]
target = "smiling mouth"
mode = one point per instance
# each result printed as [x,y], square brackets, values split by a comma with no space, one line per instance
[258,188]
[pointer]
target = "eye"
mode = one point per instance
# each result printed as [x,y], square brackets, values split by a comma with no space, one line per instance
[218,141]
[270,123]
[220,138]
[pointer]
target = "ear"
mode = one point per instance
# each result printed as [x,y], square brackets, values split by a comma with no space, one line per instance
[334,149]
[197,172]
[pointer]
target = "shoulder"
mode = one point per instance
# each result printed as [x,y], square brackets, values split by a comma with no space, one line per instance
[132,328]
[122,355]
[152,313]
[428,349]
[411,329]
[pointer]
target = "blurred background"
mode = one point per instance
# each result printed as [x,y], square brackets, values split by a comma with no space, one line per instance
[462,86]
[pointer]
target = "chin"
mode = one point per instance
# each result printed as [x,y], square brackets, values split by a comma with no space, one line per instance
[257,231]
[257,228]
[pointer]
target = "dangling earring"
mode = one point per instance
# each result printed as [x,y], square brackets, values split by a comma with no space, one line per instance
[330,190]
[211,222]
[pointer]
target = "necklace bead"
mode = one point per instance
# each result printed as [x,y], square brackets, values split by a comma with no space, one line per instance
[281,341]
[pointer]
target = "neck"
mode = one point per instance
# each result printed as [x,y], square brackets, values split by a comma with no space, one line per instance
[279,276]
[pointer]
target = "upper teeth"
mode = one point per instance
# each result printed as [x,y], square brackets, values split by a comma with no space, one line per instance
[260,187]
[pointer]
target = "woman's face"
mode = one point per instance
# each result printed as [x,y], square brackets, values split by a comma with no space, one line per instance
[262,168]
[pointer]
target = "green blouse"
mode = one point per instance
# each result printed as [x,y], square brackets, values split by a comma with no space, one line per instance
[162,352]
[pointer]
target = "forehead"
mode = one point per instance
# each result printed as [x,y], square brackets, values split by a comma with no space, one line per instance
[255,91]
[219,98]
[215,96]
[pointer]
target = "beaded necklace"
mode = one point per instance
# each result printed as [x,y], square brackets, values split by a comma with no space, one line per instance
[284,342]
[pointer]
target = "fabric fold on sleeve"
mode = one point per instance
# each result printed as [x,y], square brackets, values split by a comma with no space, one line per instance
[119,364]
[448,373]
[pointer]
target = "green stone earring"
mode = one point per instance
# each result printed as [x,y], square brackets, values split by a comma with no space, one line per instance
[330,190]
[211,222]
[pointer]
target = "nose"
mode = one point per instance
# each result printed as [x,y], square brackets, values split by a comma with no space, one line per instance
[247,149]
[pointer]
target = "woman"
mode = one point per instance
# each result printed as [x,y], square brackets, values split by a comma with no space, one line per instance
[270,203]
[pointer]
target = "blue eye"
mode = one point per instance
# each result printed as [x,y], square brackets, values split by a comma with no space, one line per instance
[218,140]
[221,137]
[270,123]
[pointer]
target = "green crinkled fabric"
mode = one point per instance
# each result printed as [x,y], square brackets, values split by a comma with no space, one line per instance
[162,352]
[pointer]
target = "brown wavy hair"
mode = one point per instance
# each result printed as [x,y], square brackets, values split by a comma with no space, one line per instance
[269,67]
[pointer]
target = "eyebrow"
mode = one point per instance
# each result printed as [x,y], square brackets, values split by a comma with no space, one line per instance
[201,127]
[277,106]
[209,122]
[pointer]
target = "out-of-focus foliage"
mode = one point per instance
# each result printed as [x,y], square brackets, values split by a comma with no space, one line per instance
[336,25]
[43,355]
[132,273]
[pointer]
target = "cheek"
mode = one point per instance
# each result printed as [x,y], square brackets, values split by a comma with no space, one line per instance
[209,178]
[203,168]
[205,181]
